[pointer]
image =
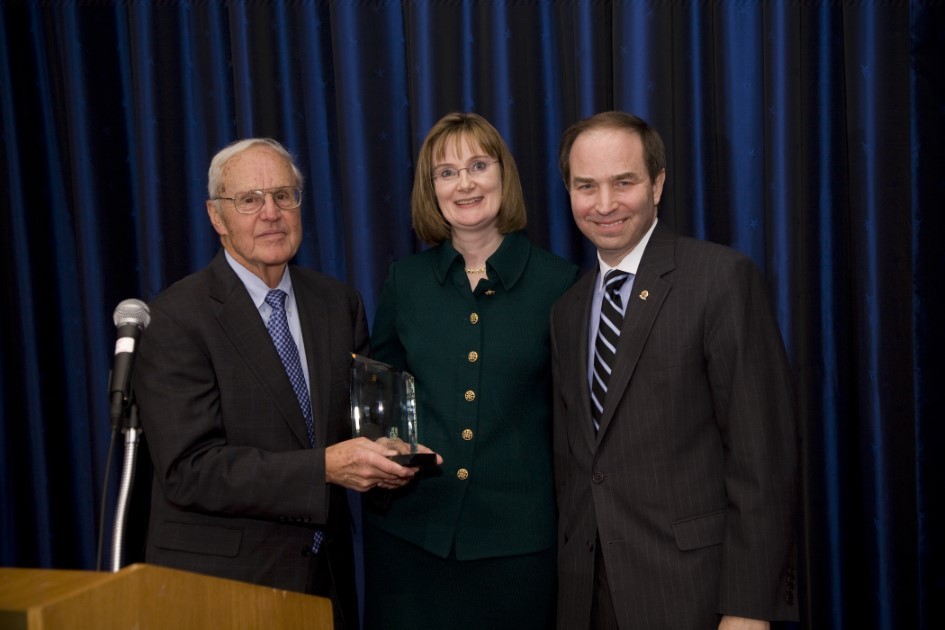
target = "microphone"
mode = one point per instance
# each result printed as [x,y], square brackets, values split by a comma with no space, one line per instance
[131,317]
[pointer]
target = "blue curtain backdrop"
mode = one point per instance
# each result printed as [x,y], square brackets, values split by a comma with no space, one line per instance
[809,135]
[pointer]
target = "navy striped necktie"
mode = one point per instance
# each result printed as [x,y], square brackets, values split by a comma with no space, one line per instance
[605,347]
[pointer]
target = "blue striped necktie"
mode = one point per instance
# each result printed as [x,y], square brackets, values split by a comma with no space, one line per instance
[605,347]
[278,326]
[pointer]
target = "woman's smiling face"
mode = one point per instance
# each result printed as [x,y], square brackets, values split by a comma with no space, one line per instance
[471,201]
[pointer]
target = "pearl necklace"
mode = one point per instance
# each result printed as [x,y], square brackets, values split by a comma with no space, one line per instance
[476,270]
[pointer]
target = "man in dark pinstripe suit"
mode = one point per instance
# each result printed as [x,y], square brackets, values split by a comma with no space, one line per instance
[675,448]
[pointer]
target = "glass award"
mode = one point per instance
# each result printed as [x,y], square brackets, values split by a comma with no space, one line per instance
[384,405]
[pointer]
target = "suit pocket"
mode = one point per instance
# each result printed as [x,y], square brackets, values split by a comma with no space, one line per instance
[205,539]
[700,531]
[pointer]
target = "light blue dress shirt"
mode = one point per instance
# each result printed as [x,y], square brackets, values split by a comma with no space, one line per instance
[630,264]
[257,290]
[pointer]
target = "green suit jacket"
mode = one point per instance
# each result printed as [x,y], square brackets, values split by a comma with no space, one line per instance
[483,379]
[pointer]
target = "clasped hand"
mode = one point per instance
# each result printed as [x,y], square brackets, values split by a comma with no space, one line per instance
[360,464]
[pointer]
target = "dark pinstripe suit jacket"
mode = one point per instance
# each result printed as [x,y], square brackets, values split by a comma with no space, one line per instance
[690,482]
[237,488]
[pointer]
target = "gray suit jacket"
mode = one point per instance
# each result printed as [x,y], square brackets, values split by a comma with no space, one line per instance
[690,483]
[237,488]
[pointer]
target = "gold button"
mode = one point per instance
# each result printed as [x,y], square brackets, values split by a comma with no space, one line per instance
[462,473]
[490,292]
[470,395]
[473,356]
[473,318]
[467,434]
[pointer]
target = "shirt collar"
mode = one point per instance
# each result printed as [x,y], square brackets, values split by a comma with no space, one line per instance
[256,288]
[507,263]
[630,262]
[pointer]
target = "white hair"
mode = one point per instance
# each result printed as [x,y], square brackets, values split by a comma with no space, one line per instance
[215,174]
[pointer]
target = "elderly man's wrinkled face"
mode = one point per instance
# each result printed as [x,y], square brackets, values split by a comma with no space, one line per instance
[263,242]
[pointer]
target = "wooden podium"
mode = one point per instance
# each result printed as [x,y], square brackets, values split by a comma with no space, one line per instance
[147,596]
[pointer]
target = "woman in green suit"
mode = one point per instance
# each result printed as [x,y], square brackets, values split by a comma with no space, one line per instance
[470,544]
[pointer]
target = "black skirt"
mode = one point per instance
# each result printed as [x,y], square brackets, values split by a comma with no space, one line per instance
[409,588]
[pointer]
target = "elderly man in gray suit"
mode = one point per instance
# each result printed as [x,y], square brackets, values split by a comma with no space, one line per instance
[675,448]
[243,387]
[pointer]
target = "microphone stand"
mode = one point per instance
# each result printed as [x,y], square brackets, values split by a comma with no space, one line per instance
[131,427]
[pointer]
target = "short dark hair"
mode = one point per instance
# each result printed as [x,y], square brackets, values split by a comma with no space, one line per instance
[654,152]
[428,221]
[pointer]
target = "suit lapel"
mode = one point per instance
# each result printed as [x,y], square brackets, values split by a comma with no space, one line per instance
[316,334]
[575,344]
[646,299]
[242,324]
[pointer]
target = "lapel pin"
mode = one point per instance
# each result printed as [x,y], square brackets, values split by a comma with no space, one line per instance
[644,294]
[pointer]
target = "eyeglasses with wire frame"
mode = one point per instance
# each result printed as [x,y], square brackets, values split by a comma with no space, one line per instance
[450,174]
[252,201]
